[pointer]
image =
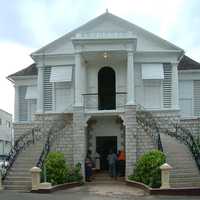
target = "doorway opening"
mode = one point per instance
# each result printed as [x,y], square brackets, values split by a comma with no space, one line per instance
[103,146]
[106,89]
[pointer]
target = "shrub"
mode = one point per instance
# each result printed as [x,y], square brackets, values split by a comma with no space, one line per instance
[56,168]
[147,169]
[74,174]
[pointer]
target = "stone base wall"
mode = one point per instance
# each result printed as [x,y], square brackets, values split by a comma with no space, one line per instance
[64,140]
[130,138]
[21,128]
[144,142]
[193,125]
[166,118]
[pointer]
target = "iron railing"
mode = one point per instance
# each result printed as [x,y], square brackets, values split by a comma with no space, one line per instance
[147,121]
[155,126]
[91,101]
[51,137]
[185,136]
[29,137]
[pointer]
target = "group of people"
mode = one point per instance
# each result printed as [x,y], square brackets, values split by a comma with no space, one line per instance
[116,164]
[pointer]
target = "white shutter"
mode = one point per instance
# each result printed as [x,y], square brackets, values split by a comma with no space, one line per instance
[196,91]
[23,104]
[61,74]
[31,92]
[185,97]
[152,94]
[167,86]
[47,89]
[152,71]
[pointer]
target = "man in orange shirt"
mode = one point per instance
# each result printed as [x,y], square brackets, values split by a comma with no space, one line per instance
[121,161]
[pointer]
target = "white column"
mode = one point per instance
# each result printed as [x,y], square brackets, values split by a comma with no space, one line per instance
[130,79]
[78,80]
[16,116]
[40,89]
[175,96]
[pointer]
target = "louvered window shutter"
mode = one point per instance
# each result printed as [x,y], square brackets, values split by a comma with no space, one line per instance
[167,85]
[196,93]
[23,104]
[47,89]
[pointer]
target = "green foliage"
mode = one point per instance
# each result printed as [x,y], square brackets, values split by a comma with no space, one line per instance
[58,172]
[147,169]
[56,168]
[74,174]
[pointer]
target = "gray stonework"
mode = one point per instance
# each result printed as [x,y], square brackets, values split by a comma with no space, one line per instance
[130,138]
[64,140]
[193,125]
[21,128]
[79,137]
[144,142]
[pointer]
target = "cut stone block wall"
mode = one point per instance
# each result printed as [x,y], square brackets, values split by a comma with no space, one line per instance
[21,128]
[144,142]
[79,137]
[131,138]
[193,125]
[64,140]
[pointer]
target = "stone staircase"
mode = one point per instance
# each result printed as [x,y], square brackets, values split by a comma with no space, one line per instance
[19,176]
[185,172]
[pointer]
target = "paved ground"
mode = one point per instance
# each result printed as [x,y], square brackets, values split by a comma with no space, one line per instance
[92,192]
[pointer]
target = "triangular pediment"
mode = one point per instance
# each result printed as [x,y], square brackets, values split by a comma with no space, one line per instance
[107,22]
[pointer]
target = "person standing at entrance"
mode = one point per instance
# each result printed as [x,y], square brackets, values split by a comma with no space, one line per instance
[121,162]
[88,167]
[112,162]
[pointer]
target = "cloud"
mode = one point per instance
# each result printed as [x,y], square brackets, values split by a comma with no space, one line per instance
[13,58]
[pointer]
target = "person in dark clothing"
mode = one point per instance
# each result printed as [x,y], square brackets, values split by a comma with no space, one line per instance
[112,162]
[88,167]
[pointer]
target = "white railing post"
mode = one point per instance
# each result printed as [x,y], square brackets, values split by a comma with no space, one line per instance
[165,173]
[35,174]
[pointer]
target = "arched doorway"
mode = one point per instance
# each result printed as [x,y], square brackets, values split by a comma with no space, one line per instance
[106,89]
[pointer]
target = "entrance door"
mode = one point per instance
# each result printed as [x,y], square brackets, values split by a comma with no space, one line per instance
[106,89]
[103,146]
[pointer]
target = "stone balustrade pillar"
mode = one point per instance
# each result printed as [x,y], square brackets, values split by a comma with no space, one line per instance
[35,174]
[165,173]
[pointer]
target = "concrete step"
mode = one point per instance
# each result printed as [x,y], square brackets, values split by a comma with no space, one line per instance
[185,172]
[18,178]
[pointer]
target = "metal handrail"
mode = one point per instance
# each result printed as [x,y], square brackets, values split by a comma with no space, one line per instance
[51,137]
[27,138]
[146,120]
[185,136]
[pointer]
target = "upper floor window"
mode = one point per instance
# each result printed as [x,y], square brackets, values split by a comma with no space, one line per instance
[0,121]
[8,125]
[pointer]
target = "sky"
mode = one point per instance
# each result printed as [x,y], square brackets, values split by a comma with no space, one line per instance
[27,25]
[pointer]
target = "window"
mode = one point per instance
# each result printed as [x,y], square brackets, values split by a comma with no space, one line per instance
[152,94]
[8,124]
[152,71]
[61,74]
[0,121]
[185,98]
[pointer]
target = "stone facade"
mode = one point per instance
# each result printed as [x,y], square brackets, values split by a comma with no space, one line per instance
[193,125]
[63,141]
[79,137]
[130,138]
[144,142]
[21,128]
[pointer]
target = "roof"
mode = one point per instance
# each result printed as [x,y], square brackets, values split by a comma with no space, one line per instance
[31,70]
[95,22]
[187,63]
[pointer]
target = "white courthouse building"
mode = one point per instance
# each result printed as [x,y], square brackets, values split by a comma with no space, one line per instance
[95,76]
